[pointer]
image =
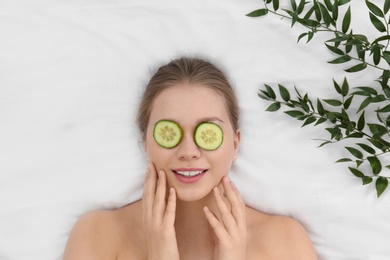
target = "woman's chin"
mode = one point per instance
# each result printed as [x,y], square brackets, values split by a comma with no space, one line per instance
[191,196]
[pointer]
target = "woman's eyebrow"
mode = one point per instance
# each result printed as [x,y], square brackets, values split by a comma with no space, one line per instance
[209,119]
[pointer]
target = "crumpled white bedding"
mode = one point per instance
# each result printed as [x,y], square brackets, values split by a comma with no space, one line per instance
[71,75]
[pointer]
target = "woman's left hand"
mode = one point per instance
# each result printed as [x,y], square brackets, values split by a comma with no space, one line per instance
[230,230]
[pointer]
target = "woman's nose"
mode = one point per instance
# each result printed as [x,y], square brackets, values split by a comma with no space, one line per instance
[188,150]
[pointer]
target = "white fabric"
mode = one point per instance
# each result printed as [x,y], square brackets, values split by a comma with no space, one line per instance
[71,76]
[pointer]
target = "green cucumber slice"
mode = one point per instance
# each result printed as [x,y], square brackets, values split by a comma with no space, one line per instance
[208,136]
[167,133]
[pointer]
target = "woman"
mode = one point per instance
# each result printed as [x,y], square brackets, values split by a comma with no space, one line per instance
[188,119]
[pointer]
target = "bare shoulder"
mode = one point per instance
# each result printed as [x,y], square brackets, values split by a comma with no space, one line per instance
[100,234]
[277,237]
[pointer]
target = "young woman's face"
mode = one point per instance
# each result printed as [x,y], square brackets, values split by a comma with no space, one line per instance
[188,106]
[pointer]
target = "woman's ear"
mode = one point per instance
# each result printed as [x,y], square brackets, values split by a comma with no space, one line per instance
[143,140]
[236,141]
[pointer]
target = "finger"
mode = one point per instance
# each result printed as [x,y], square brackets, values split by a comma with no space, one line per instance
[227,217]
[149,191]
[236,202]
[217,226]
[160,199]
[170,212]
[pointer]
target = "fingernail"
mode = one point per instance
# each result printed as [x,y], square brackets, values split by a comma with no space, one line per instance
[227,180]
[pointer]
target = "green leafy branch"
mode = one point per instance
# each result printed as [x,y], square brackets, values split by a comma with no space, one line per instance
[346,122]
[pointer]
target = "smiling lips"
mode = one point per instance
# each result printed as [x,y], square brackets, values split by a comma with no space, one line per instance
[189,175]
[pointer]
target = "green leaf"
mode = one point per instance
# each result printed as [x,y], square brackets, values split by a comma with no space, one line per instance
[382,38]
[364,104]
[348,47]
[345,88]
[284,93]
[338,39]
[378,98]
[328,4]
[376,165]
[317,12]
[333,102]
[309,23]
[335,133]
[275,4]
[320,108]
[384,80]
[258,13]
[324,143]
[309,13]
[273,107]
[309,36]
[296,90]
[377,23]
[301,36]
[309,121]
[361,122]
[379,143]
[336,87]
[325,15]
[295,113]
[344,160]
[386,6]
[386,89]
[369,90]
[341,59]
[367,148]
[384,109]
[366,180]
[362,39]
[346,20]
[335,11]
[294,18]
[355,152]
[264,93]
[263,96]
[293,5]
[357,67]
[361,52]
[377,130]
[358,163]
[335,50]
[376,50]
[381,185]
[375,9]
[386,56]
[343,2]
[270,91]
[355,135]
[356,172]
[348,102]
[320,121]
[301,6]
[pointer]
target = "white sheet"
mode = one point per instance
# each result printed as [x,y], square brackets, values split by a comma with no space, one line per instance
[71,75]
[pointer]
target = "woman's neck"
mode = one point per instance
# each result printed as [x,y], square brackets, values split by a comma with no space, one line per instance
[193,232]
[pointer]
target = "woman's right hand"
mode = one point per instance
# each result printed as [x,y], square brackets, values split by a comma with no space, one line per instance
[159,216]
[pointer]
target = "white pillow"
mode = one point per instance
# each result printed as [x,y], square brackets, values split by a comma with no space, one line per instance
[71,77]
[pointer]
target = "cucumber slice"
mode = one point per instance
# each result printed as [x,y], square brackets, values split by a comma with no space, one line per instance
[208,136]
[167,133]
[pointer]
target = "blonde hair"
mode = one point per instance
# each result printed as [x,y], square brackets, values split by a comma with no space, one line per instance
[188,71]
